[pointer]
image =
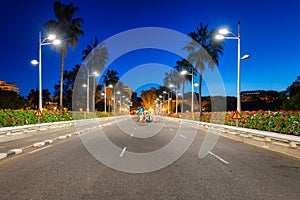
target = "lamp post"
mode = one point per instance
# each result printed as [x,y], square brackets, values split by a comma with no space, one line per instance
[173,86]
[94,74]
[43,42]
[184,72]
[112,87]
[237,36]
[104,98]
[165,92]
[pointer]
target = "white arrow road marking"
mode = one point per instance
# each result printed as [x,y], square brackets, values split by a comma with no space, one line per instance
[218,157]
[122,153]
[131,135]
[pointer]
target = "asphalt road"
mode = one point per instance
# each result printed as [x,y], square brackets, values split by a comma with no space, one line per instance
[67,169]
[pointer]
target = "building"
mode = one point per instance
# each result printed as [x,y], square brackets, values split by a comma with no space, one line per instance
[9,86]
[128,90]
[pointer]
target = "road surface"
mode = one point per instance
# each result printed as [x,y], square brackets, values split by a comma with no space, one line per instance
[67,169]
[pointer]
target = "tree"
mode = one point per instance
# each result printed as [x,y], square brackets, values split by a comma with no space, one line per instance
[203,50]
[173,80]
[33,99]
[96,56]
[111,78]
[68,83]
[69,29]
[10,99]
[291,101]
[148,98]
[185,65]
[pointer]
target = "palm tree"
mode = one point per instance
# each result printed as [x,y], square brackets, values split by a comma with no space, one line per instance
[96,56]
[68,29]
[173,78]
[185,65]
[204,50]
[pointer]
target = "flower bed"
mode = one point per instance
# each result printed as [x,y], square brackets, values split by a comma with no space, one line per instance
[286,122]
[9,117]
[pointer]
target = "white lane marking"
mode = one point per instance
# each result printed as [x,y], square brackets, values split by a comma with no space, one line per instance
[2,147]
[131,135]
[40,149]
[171,129]
[218,157]
[122,153]
[183,136]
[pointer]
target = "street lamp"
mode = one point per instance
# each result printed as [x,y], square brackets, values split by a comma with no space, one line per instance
[184,72]
[94,74]
[221,36]
[105,98]
[173,86]
[168,100]
[43,42]
[112,87]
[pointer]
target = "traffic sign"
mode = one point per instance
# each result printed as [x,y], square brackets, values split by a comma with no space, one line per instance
[38,113]
[236,115]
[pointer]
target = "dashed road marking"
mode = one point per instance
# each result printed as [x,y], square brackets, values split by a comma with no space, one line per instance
[122,153]
[218,157]
[183,136]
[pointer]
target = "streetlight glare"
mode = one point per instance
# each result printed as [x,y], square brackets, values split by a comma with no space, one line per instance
[56,42]
[245,57]
[183,72]
[51,37]
[220,37]
[110,86]
[223,31]
[84,85]
[34,62]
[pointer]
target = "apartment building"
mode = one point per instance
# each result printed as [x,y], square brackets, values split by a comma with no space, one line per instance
[9,86]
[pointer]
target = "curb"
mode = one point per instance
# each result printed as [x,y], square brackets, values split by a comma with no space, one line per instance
[39,144]
[10,153]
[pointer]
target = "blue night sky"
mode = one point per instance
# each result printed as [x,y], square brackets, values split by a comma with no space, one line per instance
[269,33]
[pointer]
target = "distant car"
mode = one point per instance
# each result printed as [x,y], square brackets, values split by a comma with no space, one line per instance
[132,112]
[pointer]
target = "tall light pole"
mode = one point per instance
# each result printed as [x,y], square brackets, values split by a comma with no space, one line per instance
[105,98]
[237,36]
[43,42]
[165,92]
[94,74]
[184,72]
[176,95]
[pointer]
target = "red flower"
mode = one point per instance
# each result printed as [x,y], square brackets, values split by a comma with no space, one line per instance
[278,124]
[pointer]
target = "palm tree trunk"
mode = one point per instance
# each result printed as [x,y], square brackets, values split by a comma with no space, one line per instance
[62,66]
[200,92]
